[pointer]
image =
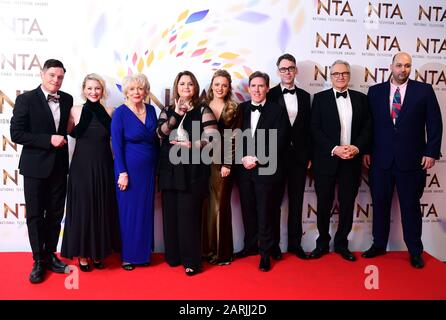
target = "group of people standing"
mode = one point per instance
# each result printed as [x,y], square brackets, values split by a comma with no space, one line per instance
[395,131]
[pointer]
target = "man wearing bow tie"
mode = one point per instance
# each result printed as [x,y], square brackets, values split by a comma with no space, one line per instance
[341,130]
[407,133]
[39,123]
[296,103]
[264,131]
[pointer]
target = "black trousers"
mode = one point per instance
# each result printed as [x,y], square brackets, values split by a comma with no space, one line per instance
[45,203]
[258,204]
[296,174]
[348,178]
[182,216]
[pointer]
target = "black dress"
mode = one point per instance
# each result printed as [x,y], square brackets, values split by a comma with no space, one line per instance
[91,223]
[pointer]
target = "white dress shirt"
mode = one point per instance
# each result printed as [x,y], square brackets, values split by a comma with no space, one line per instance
[255,115]
[55,109]
[291,105]
[345,112]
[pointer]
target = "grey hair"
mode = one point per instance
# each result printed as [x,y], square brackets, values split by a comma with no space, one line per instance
[341,62]
[139,78]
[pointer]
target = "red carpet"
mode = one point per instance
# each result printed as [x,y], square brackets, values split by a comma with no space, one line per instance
[290,279]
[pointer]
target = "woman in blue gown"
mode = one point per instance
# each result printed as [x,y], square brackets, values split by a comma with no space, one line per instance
[135,146]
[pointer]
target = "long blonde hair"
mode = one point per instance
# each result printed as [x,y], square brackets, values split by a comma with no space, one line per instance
[230,104]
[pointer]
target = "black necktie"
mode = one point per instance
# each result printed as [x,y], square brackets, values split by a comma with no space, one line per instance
[53,97]
[254,108]
[341,94]
[292,91]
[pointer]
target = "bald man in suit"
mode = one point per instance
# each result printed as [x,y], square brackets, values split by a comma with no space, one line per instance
[407,133]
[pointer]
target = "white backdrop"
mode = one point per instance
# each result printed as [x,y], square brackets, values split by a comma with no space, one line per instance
[114,38]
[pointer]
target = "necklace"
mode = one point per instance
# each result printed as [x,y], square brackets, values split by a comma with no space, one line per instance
[136,112]
[139,113]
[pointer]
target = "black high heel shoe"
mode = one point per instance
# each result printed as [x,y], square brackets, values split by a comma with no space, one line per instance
[128,266]
[191,272]
[84,267]
[99,264]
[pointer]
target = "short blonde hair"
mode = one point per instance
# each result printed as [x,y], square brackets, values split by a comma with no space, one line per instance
[98,78]
[140,79]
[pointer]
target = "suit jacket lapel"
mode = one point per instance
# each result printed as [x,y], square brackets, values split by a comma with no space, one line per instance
[300,102]
[355,112]
[334,108]
[64,109]
[246,116]
[386,99]
[262,117]
[46,108]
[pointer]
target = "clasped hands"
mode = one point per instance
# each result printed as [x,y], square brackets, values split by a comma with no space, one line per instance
[346,152]
[58,141]
[249,162]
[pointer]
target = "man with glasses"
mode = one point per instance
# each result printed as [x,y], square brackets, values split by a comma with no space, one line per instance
[407,132]
[340,127]
[296,103]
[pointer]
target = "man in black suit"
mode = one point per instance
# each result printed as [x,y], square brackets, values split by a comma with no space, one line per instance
[407,133]
[340,126]
[39,123]
[296,103]
[261,173]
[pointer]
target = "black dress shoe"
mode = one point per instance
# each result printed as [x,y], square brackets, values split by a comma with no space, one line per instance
[277,255]
[318,252]
[38,272]
[245,253]
[55,265]
[373,252]
[99,264]
[417,261]
[300,253]
[84,267]
[346,254]
[265,264]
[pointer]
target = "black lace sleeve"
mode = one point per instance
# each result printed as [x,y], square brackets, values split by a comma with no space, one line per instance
[209,124]
[167,123]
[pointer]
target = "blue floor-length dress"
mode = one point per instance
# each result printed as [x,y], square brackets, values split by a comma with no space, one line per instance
[135,147]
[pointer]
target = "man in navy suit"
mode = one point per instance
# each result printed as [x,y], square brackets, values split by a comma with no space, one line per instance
[340,126]
[407,132]
[261,173]
[39,123]
[296,103]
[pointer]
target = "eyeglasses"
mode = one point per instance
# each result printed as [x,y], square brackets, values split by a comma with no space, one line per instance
[289,69]
[338,74]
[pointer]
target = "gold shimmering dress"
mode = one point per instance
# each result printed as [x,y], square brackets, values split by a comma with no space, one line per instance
[217,219]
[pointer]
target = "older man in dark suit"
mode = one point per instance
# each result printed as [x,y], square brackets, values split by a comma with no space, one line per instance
[407,133]
[39,123]
[340,125]
[296,102]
